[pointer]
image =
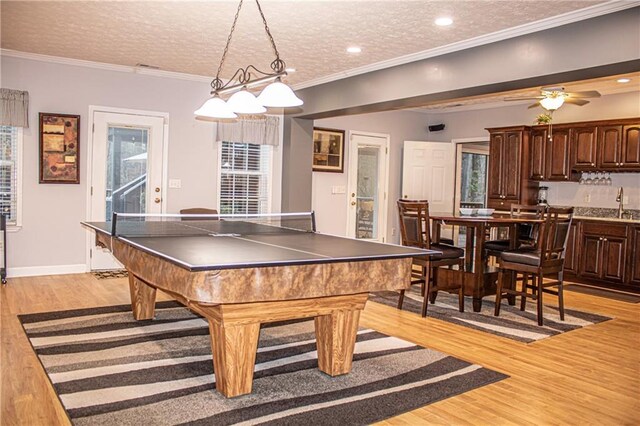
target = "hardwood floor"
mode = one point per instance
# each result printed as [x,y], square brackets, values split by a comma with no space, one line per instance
[587,376]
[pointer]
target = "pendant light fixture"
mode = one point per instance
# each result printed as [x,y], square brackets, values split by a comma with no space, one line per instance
[276,94]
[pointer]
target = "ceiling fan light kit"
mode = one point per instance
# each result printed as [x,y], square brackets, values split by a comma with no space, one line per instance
[552,103]
[552,98]
[276,94]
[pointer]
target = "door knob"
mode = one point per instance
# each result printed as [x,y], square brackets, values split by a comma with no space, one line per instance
[157,200]
[157,189]
[353,203]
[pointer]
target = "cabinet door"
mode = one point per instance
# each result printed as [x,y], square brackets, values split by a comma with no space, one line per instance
[591,256]
[538,142]
[610,146]
[496,144]
[631,147]
[614,254]
[634,256]
[557,153]
[584,148]
[571,255]
[511,167]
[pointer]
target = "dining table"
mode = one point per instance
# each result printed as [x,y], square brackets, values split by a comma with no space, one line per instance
[479,278]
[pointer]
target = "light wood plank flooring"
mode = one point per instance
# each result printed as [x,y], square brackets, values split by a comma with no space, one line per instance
[587,376]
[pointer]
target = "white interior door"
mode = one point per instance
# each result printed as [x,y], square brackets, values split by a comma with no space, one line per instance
[428,170]
[368,182]
[127,160]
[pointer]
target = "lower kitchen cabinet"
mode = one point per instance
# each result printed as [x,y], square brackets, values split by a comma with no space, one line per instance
[604,253]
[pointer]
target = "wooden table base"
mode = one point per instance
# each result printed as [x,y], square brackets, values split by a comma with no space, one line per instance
[235,329]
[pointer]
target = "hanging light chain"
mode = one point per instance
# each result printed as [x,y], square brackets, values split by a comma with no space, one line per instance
[216,84]
[278,64]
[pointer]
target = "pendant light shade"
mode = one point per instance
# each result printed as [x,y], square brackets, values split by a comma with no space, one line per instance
[552,103]
[279,95]
[215,107]
[244,102]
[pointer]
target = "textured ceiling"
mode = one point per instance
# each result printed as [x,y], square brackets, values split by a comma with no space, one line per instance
[189,36]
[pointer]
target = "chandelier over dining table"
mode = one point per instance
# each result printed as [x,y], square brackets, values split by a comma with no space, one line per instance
[242,101]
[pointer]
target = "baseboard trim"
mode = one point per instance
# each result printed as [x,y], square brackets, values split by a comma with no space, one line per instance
[33,271]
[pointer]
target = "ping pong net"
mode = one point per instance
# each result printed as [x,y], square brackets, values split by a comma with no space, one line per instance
[174,225]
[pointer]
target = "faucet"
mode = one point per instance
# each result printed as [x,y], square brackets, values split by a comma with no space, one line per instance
[620,199]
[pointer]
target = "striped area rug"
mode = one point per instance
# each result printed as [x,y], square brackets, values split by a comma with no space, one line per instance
[512,323]
[109,369]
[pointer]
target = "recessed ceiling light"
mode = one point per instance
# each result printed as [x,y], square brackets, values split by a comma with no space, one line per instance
[444,21]
[354,49]
[290,69]
[624,80]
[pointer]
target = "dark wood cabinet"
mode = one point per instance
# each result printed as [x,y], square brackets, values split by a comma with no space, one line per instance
[571,255]
[610,143]
[508,171]
[557,155]
[537,158]
[602,252]
[584,148]
[630,157]
[634,255]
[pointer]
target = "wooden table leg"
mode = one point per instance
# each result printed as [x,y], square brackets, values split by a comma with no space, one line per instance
[234,356]
[511,276]
[478,266]
[336,339]
[469,247]
[143,298]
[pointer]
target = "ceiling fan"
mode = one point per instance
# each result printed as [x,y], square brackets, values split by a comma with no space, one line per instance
[552,98]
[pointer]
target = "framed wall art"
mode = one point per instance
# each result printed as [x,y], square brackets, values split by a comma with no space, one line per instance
[328,150]
[59,148]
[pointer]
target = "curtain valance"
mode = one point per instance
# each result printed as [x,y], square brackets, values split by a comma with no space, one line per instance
[14,108]
[262,130]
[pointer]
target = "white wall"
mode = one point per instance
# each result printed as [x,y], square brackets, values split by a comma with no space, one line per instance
[331,209]
[51,238]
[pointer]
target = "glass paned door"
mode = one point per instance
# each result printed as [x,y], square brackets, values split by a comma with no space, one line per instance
[126,180]
[367,193]
[473,180]
[126,171]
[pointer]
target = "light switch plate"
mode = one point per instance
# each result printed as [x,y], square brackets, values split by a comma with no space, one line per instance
[338,189]
[175,183]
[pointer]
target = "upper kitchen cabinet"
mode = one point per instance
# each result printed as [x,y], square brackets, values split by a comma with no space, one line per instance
[584,148]
[619,147]
[508,173]
[550,157]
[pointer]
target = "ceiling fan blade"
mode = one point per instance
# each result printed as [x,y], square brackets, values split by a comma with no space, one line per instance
[537,104]
[523,98]
[585,94]
[578,102]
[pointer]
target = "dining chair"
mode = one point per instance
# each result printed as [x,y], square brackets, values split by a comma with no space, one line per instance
[199,210]
[545,258]
[415,231]
[526,233]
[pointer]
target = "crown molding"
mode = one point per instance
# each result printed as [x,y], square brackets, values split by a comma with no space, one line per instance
[532,27]
[103,66]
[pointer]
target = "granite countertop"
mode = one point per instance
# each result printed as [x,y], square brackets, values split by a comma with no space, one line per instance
[604,214]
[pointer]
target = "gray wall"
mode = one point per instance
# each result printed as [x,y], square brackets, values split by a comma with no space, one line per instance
[331,209]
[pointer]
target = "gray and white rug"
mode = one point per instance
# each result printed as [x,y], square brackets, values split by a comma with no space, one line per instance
[512,323]
[109,369]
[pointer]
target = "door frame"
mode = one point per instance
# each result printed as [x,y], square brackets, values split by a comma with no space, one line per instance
[352,176]
[89,162]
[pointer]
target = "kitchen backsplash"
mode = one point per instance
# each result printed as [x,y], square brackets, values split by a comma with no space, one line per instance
[596,196]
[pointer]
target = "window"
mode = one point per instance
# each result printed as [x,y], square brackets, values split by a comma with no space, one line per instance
[244,178]
[10,141]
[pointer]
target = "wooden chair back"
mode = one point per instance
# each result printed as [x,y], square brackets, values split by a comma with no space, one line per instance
[414,223]
[525,230]
[199,210]
[554,234]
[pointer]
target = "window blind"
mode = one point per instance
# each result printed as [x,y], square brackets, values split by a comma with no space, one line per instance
[9,173]
[244,178]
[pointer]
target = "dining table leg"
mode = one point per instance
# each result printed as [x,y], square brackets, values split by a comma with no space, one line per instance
[478,265]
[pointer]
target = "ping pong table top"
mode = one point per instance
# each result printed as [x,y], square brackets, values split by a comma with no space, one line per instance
[220,244]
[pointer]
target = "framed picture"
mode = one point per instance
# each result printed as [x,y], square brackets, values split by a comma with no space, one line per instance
[59,148]
[328,150]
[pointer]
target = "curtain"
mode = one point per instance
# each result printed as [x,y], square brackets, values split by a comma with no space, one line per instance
[262,130]
[14,108]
